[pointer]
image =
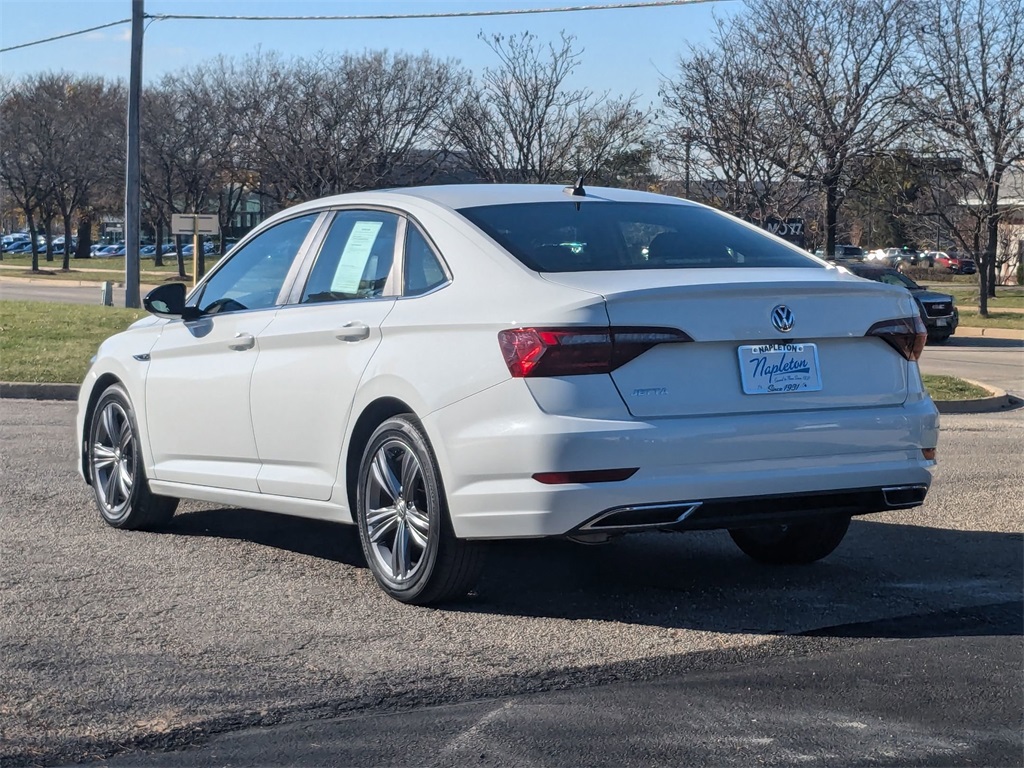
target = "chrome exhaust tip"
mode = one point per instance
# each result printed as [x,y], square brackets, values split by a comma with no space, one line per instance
[642,516]
[904,496]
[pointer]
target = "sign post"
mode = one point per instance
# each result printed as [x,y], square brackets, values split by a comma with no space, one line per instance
[194,224]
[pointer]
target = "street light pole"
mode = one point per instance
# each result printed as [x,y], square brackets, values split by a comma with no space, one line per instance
[133,184]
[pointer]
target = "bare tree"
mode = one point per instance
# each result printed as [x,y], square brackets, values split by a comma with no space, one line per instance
[89,152]
[25,131]
[523,123]
[836,64]
[329,124]
[723,119]
[970,70]
[184,148]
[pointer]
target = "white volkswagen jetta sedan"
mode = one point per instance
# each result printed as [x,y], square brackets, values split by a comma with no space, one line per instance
[445,365]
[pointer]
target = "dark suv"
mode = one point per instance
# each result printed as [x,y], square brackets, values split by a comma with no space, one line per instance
[938,310]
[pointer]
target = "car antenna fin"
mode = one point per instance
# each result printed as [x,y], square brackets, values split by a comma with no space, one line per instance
[577,189]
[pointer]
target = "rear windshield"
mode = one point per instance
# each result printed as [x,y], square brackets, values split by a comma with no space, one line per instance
[605,236]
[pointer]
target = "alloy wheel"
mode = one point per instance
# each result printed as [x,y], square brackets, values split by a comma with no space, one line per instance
[113,459]
[396,513]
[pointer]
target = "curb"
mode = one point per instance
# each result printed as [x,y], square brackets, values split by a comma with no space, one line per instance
[998,400]
[32,391]
[972,331]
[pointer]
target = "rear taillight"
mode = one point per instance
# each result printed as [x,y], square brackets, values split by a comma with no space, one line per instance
[907,335]
[578,351]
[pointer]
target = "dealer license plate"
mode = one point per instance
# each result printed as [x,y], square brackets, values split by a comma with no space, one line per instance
[942,322]
[767,369]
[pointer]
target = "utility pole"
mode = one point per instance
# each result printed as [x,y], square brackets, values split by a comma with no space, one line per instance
[133,181]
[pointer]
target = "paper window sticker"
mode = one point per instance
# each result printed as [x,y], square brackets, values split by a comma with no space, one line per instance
[353,260]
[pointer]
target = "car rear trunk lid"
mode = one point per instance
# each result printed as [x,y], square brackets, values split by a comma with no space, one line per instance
[728,314]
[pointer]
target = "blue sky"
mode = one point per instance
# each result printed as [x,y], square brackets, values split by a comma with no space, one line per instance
[624,50]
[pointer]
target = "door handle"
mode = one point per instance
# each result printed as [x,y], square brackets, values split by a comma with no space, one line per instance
[354,331]
[243,341]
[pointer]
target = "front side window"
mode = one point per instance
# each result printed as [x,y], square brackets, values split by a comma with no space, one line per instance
[579,236]
[355,259]
[252,277]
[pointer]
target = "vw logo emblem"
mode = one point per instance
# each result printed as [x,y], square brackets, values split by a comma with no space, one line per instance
[782,318]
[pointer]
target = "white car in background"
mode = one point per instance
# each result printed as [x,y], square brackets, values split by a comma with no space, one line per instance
[447,365]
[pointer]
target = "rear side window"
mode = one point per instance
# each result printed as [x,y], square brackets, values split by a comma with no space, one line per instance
[597,235]
[423,270]
[355,259]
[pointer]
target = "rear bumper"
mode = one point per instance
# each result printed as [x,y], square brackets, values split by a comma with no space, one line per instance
[495,441]
[947,324]
[754,510]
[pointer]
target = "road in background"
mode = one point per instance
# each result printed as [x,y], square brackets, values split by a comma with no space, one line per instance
[999,362]
[71,293]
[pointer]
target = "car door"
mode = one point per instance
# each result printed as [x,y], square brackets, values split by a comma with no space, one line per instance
[197,387]
[314,351]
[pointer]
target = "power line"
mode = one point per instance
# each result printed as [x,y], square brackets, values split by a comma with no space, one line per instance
[61,37]
[376,17]
[447,15]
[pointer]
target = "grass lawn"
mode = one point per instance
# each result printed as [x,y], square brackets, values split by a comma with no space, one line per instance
[995,319]
[951,388]
[46,342]
[96,270]
[967,296]
[47,274]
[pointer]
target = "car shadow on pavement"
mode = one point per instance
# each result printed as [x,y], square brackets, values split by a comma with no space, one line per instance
[316,538]
[701,581]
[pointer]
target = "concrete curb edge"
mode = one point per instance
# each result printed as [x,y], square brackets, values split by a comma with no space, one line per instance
[37,391]
[999,400]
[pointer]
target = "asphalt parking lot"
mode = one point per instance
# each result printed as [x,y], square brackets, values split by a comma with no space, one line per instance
[114,641]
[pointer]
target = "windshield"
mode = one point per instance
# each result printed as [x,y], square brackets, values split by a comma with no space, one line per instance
[582,236]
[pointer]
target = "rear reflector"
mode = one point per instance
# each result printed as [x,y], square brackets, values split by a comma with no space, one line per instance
[578,351]
[585,476]
[907,335]
[928,454]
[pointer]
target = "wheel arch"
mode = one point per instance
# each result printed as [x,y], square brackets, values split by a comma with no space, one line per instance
[372,416]
[102,383]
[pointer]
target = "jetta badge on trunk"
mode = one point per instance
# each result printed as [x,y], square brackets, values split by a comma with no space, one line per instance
[782,318]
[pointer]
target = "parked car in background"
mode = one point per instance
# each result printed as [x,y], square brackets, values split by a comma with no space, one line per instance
[954,262]
[445,365]
[208,248]
[843,252]
[938,310]
[902,257]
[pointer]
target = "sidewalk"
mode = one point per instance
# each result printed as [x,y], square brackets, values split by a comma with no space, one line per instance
[968,331]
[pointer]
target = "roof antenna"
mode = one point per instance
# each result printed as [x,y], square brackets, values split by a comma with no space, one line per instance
[577,190]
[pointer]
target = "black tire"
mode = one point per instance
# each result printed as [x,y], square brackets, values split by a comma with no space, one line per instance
[939,338]
[116,468]
[409,543]
[795,543]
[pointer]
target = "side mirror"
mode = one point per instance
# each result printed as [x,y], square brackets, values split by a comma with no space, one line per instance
[169,301]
